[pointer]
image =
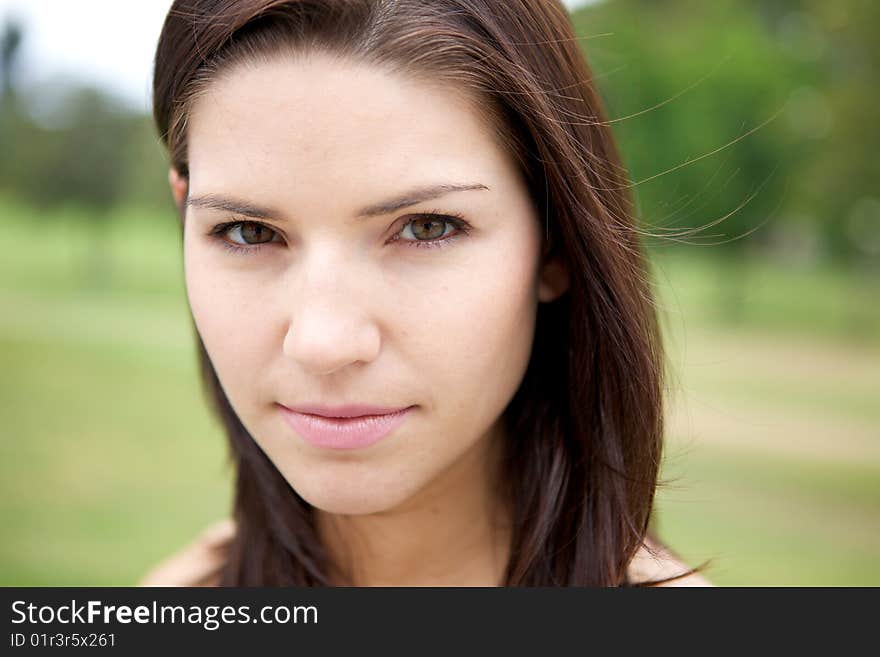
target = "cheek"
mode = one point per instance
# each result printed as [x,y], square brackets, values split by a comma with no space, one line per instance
[230,313]
[473,334]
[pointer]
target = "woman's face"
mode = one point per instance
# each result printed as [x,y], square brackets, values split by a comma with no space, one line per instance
[330,287]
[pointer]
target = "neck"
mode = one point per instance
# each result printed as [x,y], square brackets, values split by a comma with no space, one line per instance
[454,532]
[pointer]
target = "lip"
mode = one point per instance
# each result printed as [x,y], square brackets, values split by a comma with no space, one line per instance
[343,427]
[348,410]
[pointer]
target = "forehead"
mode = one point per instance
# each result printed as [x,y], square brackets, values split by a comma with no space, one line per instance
[316,121]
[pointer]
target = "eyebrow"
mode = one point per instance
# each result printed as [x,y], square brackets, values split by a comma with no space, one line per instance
[416,196]
[405,200]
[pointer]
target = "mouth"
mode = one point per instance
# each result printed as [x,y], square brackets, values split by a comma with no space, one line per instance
[345,411]
[343,427]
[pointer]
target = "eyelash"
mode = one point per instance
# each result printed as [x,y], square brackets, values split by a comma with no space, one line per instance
[461,226]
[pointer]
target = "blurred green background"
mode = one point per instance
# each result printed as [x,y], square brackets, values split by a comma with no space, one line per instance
[751,130]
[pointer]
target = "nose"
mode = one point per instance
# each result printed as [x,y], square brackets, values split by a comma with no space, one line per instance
[330,323]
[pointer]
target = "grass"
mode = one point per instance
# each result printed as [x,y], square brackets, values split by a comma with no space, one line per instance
[109,459]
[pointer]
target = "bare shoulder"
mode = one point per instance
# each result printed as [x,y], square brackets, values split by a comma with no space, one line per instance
[197,564]
[654,562]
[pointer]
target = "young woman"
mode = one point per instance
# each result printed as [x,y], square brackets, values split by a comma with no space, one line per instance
[421,302]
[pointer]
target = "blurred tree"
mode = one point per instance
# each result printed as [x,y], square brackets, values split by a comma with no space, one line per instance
[10,48]
[76,147]
[754,119]
[810,66]
[79,146]
[10,44]
[682,120]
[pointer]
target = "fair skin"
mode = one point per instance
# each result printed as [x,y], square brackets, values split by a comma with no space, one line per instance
[337,308]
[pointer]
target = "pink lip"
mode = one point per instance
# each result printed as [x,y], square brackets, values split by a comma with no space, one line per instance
[343,427]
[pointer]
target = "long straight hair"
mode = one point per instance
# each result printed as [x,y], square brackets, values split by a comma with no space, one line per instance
[585,426]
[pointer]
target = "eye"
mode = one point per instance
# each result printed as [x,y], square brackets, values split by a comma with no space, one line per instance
[244,237]
[432,229]
[250,232]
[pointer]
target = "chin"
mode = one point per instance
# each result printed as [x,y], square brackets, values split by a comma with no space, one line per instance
[350,495]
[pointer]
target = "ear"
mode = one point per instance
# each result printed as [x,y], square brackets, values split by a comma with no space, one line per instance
[179,189]
[553,279]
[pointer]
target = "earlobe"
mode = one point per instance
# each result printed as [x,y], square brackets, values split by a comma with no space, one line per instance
[179,187]
[553,281]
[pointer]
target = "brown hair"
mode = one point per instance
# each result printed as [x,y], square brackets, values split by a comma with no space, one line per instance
[585,425]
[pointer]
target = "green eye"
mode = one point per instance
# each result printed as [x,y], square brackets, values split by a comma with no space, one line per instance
[427,228]
[432,229]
